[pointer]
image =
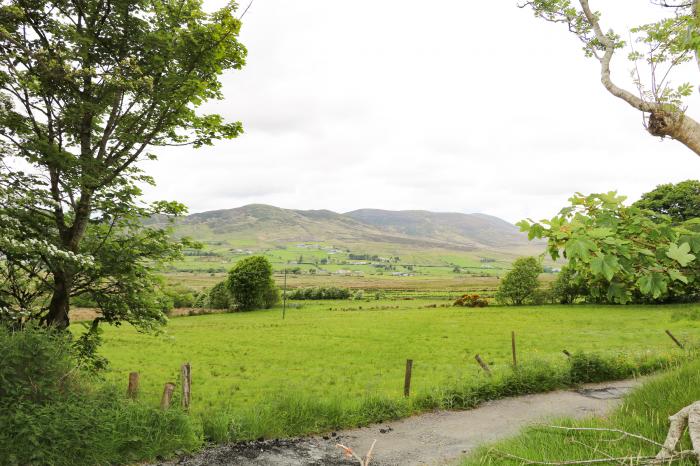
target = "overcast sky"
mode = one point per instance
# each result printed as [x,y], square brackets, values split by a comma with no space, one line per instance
[447,105]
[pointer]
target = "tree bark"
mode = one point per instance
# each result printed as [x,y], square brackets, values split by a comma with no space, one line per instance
[60,301]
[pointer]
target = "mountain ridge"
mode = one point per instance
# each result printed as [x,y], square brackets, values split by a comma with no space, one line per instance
[264,224]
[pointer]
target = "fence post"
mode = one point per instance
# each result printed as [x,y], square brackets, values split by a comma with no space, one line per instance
[512,344]
[133,388]
[407,378]
[483,365]
[186,371]
[675,340]
[167,395]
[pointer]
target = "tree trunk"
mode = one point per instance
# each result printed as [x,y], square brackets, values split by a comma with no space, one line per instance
[60,302]
[676,125]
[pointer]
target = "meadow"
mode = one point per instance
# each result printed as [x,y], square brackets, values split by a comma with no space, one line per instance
[250,370]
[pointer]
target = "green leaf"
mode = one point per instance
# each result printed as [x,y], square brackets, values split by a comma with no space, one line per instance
[579,247]
[600,233]
[654,284]
[676,275]
[605,265]
[617,292]
[680,254]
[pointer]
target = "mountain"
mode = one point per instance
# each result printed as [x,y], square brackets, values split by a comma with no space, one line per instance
[259,225]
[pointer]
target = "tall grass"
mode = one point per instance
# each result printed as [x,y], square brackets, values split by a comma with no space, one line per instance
[51,413]
[644,412]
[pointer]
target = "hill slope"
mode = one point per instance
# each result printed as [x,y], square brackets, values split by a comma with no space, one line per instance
[264,225]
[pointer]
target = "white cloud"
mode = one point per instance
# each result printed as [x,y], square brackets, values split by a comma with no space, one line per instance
[399,104]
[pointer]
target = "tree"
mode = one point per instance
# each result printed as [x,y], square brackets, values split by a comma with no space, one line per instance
[679,201]
[220,296]
[622,253]
[250,284]
[568,286]
[87,87]
[667,43]
[520,283]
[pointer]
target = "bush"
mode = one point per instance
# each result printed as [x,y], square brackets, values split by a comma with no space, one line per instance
[219,296]
[568,287]
[319,293]
[181,295]
[52,413]
[471,300]
[250,284]
[520,284]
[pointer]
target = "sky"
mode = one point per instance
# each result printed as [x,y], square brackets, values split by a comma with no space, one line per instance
[446,105]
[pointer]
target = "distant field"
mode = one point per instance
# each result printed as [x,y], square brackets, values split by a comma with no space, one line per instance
[454,283]
[347,350]
[368,260]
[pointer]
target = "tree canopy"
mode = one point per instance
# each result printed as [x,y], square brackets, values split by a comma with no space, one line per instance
[87,88]
[251,285]
[656,50]
[520,284]
[679,201]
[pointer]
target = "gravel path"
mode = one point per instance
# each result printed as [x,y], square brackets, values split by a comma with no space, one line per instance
[437,438]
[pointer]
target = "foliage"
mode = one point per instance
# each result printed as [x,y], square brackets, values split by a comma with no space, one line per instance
[250,284]
[52,413]
[620,252]
[319,292]
[219,296]
[87,88]
[679,201]
[180,295]
[568,286]
[520,284]
[471,300]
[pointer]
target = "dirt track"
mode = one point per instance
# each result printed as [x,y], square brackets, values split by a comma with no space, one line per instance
[437,438]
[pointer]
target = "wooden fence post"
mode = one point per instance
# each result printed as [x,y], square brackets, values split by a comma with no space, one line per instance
[675,340]
[483,365]
[186,372]
[512,344]
[167,395]
[407,378]
[133,388]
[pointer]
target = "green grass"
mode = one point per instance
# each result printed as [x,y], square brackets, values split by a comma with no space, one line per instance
[346,358]
[644,412]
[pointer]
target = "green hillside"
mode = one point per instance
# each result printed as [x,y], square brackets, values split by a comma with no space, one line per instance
[360,243]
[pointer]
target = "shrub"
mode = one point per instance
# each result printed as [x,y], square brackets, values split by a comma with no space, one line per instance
[568,287]
[319,293]
[250,284]
[52,413]
[219,296]
[471,300]
[181,295]
[202,300]
[520,284]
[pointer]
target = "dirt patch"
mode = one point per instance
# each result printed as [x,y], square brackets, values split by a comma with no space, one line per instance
[437,438]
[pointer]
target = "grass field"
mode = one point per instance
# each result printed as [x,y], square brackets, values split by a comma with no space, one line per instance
[344,353]
[645,412]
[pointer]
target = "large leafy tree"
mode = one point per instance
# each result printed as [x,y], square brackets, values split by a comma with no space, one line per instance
[87,88]
[251,285]
[680,201]
[520,283]
[656,50]
[622,253]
